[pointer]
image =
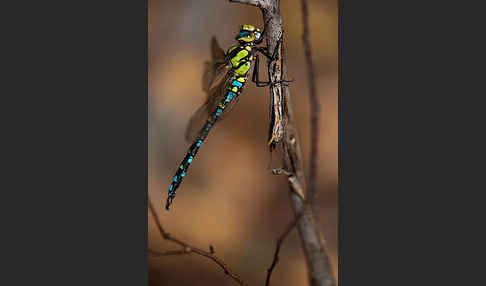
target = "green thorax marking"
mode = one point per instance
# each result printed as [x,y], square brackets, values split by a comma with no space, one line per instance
[241,59]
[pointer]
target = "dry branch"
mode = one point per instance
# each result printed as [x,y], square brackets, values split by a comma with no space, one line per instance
[314,107]
[257,3]
[319,269]
[188,249]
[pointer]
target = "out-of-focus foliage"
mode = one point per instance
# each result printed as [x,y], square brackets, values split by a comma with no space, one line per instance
[229,198]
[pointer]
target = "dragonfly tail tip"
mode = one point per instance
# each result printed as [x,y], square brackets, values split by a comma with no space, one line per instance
[167,204]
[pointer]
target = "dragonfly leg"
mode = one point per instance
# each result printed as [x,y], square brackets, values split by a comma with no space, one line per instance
[264,51]
[271,58]
[255,77]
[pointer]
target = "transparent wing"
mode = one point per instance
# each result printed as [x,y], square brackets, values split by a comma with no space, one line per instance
[199,118]
[217,52]
[215,69]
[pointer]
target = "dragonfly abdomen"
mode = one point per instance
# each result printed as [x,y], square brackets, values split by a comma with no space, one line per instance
[231,94]
[182,170]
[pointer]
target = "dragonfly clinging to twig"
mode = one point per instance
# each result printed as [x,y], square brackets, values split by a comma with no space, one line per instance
[223,79]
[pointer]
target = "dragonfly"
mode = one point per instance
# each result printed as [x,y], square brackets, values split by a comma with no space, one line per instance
[223,80]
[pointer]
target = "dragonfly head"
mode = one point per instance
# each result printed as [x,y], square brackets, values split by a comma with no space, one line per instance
[249,34]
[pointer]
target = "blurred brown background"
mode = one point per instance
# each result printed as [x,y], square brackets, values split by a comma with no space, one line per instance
[229,199]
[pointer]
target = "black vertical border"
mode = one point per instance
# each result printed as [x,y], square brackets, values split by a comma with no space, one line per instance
[75,194]
[408,128]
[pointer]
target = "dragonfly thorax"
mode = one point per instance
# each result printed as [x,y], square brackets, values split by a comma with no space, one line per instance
[241,57]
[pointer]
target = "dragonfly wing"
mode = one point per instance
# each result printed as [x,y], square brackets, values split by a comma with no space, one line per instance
[218,94]
[196,122]
[214,72]
[215,69]
[217,52]
[215,96]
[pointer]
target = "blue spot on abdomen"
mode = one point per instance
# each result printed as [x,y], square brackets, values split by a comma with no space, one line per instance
[218,111]
[230,96]
[237,83]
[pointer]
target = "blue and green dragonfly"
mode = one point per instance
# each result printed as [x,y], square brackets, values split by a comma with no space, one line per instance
[223,79]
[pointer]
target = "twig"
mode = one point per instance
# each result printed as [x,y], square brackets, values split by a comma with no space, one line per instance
[314,108]
[319,269]
[168,252]
[280,240]
[187,249]
[257,3]
[293,181]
